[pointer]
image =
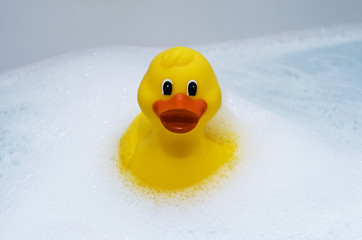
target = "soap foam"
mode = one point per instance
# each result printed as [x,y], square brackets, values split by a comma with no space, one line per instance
[62,119]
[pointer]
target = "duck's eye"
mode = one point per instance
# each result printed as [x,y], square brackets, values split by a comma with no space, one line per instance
[192,88]
[167,87]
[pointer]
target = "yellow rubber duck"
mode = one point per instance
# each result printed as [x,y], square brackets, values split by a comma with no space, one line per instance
[166,145]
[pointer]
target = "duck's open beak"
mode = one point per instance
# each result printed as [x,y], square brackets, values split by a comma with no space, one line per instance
[180,114]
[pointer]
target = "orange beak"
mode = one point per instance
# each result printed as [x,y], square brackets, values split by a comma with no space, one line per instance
[179,114]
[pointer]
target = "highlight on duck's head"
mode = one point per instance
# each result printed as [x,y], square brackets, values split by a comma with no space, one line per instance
[179,92]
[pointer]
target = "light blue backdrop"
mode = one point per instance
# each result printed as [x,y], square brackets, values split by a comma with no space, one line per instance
[31,30]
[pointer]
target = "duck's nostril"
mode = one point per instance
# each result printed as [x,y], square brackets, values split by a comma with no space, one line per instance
[182,102]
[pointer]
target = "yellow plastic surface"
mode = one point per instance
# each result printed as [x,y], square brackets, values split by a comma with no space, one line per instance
[159,157]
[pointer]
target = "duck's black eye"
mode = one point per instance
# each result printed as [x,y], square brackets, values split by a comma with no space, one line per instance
[192,88]
[167,87]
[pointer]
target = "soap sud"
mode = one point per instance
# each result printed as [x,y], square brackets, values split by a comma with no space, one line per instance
[294,179]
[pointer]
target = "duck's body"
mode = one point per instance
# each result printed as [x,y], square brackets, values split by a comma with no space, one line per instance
[159,161]
[166,146]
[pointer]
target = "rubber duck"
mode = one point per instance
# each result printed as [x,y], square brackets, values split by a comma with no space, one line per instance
[166,145]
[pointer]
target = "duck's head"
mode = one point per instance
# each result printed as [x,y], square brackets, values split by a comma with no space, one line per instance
[180,92]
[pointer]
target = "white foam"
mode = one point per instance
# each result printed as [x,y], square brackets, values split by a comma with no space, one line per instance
[61,121]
